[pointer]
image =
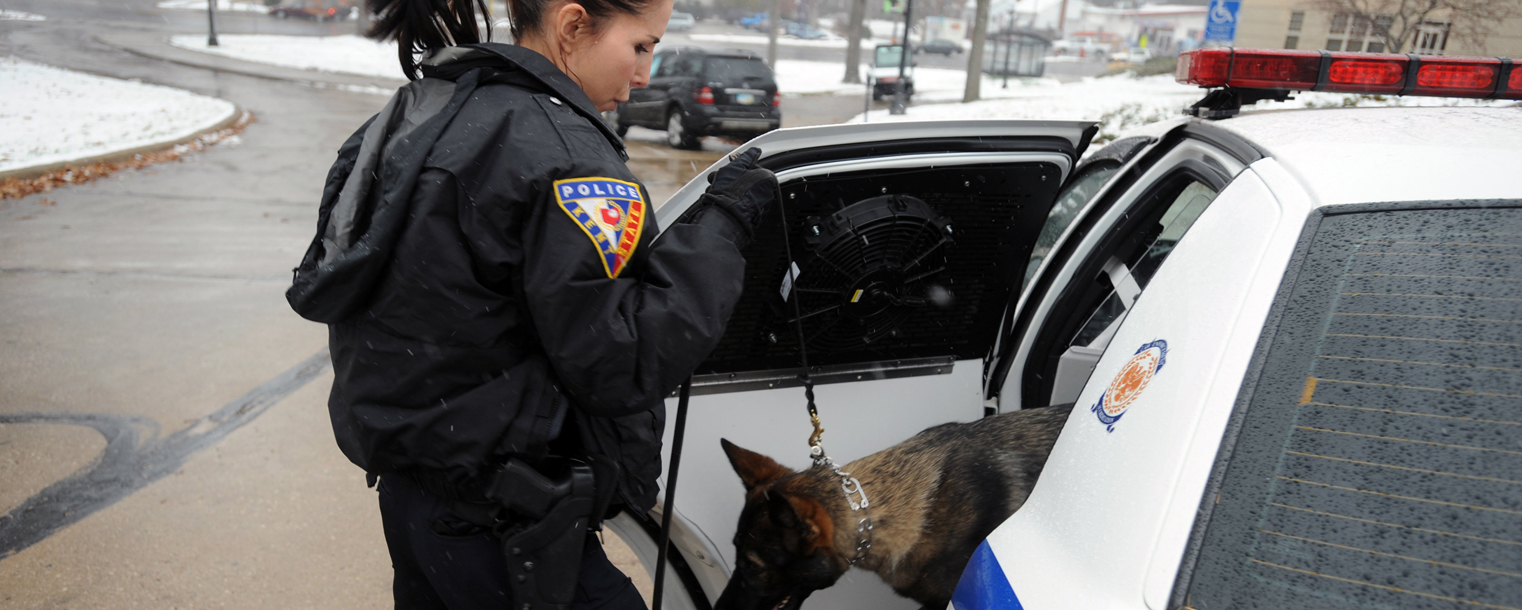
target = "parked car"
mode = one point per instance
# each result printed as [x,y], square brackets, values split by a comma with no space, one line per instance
[885,70]
[942,47]
[1291,338]
[695,92]
[680,22]
[799,30]
[757,22]
[320,10]
[1132,56]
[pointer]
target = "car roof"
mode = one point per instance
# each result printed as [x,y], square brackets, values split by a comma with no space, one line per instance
[1362,155]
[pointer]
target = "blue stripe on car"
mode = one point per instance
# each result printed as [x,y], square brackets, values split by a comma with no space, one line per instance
[983,585]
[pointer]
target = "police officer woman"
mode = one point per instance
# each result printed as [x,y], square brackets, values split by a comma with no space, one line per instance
[504,326]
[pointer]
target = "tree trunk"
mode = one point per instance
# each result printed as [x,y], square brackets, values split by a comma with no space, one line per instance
[974,88]
[853,44]
[774,23]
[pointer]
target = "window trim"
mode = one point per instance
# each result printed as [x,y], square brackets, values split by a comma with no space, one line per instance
[1048,338]
[1013,345]
[1255,367]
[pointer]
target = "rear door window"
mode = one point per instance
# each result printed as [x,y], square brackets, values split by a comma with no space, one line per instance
[1377,461]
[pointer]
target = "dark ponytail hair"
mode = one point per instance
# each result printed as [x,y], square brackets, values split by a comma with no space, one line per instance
[528,15]
[418,26]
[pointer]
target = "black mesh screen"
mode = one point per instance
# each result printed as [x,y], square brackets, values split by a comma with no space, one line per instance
[994,212]
[1379,463]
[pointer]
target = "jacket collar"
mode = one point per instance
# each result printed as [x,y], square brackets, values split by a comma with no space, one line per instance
[450,62]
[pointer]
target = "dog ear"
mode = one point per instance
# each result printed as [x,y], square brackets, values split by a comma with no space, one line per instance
[813,521]
[806,524]
[753,468]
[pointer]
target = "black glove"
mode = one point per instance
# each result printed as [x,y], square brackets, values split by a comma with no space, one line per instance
[738,195]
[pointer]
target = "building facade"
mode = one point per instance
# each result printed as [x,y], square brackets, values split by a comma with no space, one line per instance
[1293,24]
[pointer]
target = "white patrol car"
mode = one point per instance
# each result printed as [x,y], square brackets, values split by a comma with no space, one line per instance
[1294,340]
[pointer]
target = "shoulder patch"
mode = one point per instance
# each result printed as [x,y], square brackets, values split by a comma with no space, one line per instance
[611,212]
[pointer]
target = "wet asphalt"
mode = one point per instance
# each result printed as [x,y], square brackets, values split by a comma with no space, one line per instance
[164,440]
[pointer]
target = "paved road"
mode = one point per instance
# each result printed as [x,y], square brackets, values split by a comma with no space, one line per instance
[164,440]
[163,431]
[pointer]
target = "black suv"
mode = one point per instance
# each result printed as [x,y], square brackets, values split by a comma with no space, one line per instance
[695,93]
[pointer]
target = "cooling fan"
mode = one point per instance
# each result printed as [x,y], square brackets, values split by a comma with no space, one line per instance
[875,263]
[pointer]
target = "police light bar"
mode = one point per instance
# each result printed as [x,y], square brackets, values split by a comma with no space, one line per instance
[1374,73]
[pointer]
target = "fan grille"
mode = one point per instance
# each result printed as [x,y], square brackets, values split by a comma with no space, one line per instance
[875,263]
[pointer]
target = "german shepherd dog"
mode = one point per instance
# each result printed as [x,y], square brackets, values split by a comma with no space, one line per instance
[932,498]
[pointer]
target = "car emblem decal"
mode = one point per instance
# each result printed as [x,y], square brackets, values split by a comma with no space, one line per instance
[1129,383]
[611,213]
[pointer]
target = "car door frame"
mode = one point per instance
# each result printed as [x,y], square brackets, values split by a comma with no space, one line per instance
[703,569]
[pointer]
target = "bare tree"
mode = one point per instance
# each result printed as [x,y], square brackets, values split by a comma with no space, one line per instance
[1398,22]
[973,88]
[853,41]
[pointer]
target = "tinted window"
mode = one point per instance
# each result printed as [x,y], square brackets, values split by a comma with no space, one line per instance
[1189,198]
[736,69]
[889,56]
[1072,200]
[1379,458]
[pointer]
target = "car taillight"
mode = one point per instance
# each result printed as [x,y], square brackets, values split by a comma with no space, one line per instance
[704,96]
[777,99]
[1374,73]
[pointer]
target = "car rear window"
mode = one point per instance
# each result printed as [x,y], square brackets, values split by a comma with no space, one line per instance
[1378,459]
[736,69]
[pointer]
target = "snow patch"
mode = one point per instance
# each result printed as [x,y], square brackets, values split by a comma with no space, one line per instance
[222,5]
[347,54]
[52,115]
[6,15]
[1123,102]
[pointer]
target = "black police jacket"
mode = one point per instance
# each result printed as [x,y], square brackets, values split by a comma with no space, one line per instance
[488,270]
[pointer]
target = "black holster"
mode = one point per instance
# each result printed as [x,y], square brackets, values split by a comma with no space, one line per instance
[543,547]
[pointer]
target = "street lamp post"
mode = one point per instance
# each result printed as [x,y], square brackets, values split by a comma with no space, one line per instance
[211,19]
[899,89]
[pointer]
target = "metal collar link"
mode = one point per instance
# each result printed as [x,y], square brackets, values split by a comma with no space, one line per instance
[862,507]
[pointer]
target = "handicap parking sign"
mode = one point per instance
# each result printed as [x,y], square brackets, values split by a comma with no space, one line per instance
[1221,21]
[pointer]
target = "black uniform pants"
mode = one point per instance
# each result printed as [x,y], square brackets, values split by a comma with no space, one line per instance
[435,571]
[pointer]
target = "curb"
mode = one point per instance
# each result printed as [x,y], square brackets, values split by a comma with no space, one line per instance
[26,173]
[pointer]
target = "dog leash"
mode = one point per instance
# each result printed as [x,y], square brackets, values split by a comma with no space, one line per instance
[848,484]
[666,509]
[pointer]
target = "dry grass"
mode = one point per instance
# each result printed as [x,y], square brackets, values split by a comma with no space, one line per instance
[16,188]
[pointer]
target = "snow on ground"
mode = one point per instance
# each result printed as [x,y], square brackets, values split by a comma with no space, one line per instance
[222,5]
[1122,102]
[834,42]
[347,54]
[53,115]
[6,15]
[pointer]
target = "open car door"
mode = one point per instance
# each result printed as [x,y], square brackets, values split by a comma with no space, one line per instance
[910,240]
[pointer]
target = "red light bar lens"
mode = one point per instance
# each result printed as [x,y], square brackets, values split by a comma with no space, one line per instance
[1457,77]
[1375,73]
[1256,68]
[1275,70]
[1366,75]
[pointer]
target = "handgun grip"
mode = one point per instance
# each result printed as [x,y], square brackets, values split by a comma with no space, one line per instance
[521,488]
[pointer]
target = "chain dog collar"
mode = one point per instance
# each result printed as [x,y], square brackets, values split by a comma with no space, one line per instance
[852,489]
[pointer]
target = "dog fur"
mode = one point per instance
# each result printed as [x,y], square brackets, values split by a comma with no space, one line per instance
[933,499]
